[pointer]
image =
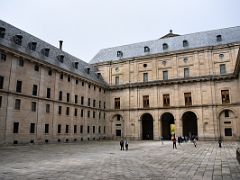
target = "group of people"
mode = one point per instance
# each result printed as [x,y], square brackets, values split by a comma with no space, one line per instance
[124,143]
[183,139]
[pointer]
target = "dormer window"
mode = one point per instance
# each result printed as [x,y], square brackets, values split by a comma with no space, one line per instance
[185,43]
[60,58]
[18,39]
[119,54]
[165,46]
[88,70]
[2,32]
[32,46]
[76,65]
[146,49]
[219,38]
[98,75]
[45,52]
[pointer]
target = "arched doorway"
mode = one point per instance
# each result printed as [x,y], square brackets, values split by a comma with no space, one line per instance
[189,124]
[147,126]
[166,120]
[227,124]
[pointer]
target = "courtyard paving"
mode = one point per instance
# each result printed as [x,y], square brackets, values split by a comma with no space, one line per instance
[104,160]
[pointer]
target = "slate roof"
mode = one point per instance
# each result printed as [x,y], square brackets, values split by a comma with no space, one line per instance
[69,60]
[195,40]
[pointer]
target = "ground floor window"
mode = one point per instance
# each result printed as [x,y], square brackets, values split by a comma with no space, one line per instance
[118,132]
[228,131]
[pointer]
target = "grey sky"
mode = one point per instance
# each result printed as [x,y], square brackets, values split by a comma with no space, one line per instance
[90,25]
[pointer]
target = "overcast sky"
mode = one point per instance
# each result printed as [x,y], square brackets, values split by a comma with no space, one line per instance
[86,26]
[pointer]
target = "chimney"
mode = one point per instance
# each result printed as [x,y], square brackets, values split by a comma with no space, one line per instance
[60,44]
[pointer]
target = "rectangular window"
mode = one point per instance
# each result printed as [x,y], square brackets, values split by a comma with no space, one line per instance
[88,114]
[82,83]
[226,113]
[93,129]
[59,128]
[1,82]
[17,104]
[82,100]
[36,68]
[60,96]
[61,76]
[228,131]
[46,128]
[76,99]
[75,112]
[225,96]
[34,106]
[118,133]
[21,62]
[3,57]
[100,104]
[0,101]
[116,80]
[94,103]
[15,127]
[67,129]
[165,75]
[166,100]
[49,72]
[99,129]
[222,69]
[69,78]
[94,114]
[145,77]
[81,112]
[47,108]
[188,99]
[19,86]
[186,72]
[99,115]
[48,92]
[81,129]
[117,103]
[104,105]
[89,102]
[59,109]
[88,129]
[32,128]
[34,90]
[68,97]
[146,101]
[75,129]
[104,129]
[76,81]
[67,111]
[104,115]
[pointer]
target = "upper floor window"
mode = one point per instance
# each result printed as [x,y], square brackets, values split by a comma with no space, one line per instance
[185,43]
[21,62]
[145,77]
[219,37]
[188,99]
[146,49]
[186,72]
[166,100]
[76,99]
[45,52]
[165,46]
[82,100]
[76,65]
[89,102]
[18,39]
[165,75]
[119,54]
[117,103]
[116,80]
[221,56]
[225,96]
[2,32]
[19,86]
[68,97]
[49,72]
[34,90]
[17,104]
[226,113]
[146,101]
[61,76]
[36,67]
[1,82]
[60,96]
[3,57]
[222,69]
[32,46]
[60,58]
[34,106]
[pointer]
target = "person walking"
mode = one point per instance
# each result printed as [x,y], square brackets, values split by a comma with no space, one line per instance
[126,144]
[174,142]
[122,144]
[220,142]
[195,142]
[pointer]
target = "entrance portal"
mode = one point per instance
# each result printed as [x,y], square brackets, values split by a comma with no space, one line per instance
[167,119]
[147,127]
[189,123]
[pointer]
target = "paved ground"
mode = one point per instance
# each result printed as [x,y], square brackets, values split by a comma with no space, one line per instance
[103,160]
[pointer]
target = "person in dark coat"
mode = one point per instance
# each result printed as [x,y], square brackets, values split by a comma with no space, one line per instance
[122,144]
[174,142]
[220,142]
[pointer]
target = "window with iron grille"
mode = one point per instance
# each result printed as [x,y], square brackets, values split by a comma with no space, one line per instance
[145,77]
[117,103]
[188,99]
[166,100]
[225,96]
[146,101]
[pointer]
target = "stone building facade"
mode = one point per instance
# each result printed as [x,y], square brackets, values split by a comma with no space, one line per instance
[188,82]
